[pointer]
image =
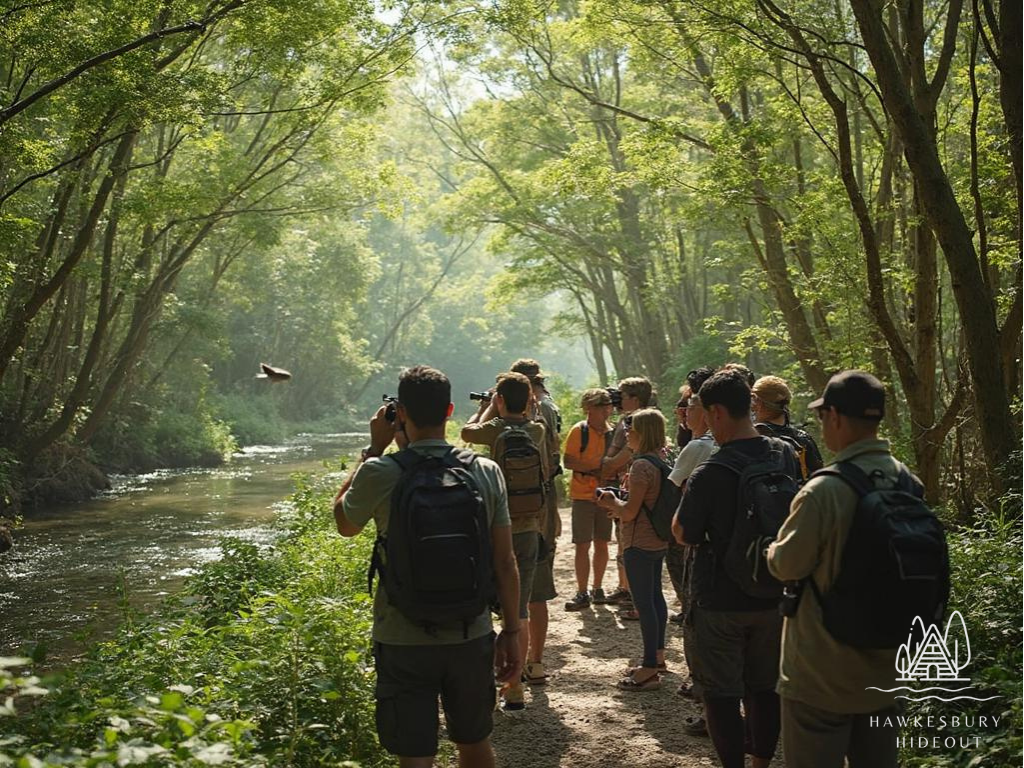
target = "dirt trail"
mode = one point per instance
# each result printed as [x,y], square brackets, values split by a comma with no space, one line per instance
[579,718]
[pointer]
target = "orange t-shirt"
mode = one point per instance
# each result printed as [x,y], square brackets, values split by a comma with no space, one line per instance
[583,486]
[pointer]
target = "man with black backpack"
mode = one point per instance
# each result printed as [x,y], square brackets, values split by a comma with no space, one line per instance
[443,553]
[861,541]
[521,450]
[732,508]
[769,403]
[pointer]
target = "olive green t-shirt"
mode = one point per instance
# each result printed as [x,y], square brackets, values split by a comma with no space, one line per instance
[369,496]
[486,432]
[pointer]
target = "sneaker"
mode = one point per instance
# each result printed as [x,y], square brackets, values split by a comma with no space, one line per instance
[696,726]
[677,618]
[512,699]
[578,603]
[620,595]
[534,673]
[598,597]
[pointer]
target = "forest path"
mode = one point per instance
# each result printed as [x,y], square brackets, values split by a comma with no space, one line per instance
[579,718]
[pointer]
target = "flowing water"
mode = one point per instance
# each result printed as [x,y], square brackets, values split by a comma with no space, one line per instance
[74,567]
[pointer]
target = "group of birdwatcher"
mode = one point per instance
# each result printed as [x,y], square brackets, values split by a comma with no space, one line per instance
[796,582]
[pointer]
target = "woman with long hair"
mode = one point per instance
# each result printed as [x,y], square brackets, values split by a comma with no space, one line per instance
[643,550]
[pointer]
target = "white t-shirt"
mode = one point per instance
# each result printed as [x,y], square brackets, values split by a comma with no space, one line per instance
[694,453]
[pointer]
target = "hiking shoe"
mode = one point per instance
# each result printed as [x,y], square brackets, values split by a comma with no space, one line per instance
[578,603]
[534,673]
[620,595]
[512,699]
[678,618]
[696,726]
[598,597]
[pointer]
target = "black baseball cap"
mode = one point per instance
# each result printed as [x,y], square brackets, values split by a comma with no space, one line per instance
[854,393]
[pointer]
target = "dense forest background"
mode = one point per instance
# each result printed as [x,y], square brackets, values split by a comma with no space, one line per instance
[343,188]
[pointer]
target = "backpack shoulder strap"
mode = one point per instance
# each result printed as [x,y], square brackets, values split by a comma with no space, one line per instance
[656,461]
[851,474]
[584,437]
[406,458]
[459,457]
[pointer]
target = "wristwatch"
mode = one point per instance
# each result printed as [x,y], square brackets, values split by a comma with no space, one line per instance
[368,453]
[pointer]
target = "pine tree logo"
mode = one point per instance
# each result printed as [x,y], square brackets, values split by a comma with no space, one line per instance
[933,657]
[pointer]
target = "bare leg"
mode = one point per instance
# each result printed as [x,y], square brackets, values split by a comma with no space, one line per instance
[479,755]
[538,630]
[600,562]
[415,762]
[583,563]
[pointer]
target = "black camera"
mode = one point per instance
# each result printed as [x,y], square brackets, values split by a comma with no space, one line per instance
[483,397]
[616,395]
[628,421]
[390,412]
[614,490]
[791,593]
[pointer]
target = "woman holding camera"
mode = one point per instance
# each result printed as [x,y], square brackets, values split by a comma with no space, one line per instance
[643,550]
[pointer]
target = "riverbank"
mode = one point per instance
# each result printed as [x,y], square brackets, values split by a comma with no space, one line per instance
[264,660]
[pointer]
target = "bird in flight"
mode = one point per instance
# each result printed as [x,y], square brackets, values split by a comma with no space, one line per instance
[273,374]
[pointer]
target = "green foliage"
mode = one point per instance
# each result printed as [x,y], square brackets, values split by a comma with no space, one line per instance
[264,660]
[253,420]
[985,561]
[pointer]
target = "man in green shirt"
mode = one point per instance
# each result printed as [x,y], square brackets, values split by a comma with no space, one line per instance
[832,708]
[507,408]
[543,589]
[415,663]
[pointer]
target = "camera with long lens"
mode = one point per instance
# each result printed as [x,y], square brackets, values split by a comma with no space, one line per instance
[390,412]
[616,395]
[620,493]
[483,397]
[791,593]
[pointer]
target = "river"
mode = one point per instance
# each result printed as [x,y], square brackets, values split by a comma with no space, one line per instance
[74,567]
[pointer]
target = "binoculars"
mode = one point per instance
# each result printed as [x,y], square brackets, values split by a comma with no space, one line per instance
[483,397]
[614,490]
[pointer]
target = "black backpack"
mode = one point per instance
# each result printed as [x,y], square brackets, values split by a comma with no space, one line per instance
[435,560]
[894,567]
[765,489]
[808,455]
[521,464]
[667,502]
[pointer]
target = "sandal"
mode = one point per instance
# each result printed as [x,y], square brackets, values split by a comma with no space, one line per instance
[686,691]
[631,614]
[662,669]
[629,683]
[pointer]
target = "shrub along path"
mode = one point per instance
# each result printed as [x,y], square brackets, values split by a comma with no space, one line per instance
[579,718]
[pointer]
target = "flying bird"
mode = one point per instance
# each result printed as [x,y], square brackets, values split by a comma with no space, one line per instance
[273,374]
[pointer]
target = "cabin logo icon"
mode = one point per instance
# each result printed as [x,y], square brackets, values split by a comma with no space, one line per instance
[937,660]
[933,657]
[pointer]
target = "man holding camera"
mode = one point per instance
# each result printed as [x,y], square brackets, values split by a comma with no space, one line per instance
[543,590]
[419,659]
[520,447]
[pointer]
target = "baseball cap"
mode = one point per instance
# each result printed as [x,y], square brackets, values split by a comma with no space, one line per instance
[772,390]
[593,397]
[853,393]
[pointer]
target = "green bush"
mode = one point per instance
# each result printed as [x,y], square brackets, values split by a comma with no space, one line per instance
[985,562]
[263,660]
[252,420]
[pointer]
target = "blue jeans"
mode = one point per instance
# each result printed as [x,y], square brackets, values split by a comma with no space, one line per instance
[643,568]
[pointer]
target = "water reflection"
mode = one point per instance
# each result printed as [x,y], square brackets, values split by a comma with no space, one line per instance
[71,566]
